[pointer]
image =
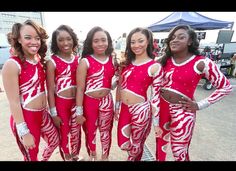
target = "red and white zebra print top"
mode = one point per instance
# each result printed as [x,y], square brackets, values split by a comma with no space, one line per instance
[99,74]
[183,78]
[31,80]
[65,72]
[138,78]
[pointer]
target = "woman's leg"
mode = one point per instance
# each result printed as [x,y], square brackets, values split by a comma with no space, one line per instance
[140,128]
[50,134]
[91,110]
[64,112]
[23,150]
[105,124]
[75,138]
[162,142]
[33,120]
[124,128]
[181,130]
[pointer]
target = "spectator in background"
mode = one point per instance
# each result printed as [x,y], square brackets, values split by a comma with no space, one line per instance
[216,54]
[207,52]
[156,47]
[123,45]
[233,61]
[10,41]
[117,44]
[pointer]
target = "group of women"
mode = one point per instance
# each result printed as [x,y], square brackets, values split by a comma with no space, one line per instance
[59,97]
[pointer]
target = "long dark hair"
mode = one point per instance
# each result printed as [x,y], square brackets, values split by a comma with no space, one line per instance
[87,47]
[17,46]
[129,54]
[193,48]
[68,29]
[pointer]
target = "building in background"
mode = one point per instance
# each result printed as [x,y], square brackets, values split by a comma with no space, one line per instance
[7,19]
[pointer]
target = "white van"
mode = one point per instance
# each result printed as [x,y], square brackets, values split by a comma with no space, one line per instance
[4,49]
[4,55]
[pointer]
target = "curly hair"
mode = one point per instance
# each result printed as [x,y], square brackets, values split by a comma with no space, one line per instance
[9,38]
[18,47]
[193,48]
[68,29]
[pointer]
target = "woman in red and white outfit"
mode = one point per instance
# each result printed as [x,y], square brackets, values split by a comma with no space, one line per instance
[24,82]
[61,83]
[134,108]
[183,68]
[94,83]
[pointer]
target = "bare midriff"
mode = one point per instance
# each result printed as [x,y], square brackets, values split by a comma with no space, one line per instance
[171,97]
[38,103]
[129,98]
[99,93]
[68,93]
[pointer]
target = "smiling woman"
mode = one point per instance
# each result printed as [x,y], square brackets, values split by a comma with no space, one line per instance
[24,79]
[183,68]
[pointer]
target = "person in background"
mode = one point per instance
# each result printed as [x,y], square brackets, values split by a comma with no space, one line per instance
[94,83]
[233,61]
[24,82]
[216,54]
[207,52]
[156,47]
[10,41]
[134,108]
[61,84]
[122,45]
[183,68]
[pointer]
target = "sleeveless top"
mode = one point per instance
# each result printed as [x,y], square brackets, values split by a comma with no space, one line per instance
[183,78]
[137,78]
[65,72]
[99,74]
[31,80]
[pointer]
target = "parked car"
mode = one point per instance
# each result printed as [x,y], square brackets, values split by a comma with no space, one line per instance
[4,55]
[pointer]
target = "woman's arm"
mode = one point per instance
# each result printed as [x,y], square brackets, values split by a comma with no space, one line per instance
[118,95]
[117,101]
[157,74]
[218,80]
[223,87]
[10,76]
[81,74]
[50,79]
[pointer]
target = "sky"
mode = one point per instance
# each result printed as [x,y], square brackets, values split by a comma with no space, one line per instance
[117,23]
